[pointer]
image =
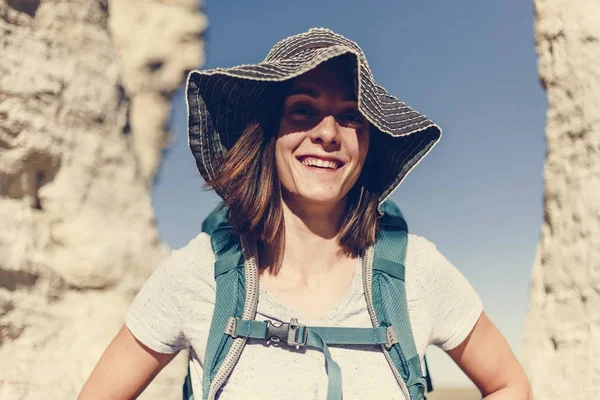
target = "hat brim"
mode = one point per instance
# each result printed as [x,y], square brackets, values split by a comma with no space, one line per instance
[219,103]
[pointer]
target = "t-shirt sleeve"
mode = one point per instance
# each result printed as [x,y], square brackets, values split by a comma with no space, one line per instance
[157,316]
[453,304]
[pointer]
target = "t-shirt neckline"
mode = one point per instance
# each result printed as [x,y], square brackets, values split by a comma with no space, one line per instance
[269,306]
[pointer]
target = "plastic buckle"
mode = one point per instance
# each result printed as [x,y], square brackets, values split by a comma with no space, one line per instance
[286,332]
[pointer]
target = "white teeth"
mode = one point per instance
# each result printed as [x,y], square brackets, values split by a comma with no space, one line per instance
[316,162]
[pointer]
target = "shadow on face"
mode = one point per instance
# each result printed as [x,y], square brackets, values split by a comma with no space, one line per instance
[322,138]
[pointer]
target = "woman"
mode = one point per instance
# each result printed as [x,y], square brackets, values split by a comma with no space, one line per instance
[304,148]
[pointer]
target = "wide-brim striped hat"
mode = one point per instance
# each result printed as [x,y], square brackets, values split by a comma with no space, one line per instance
[220,103]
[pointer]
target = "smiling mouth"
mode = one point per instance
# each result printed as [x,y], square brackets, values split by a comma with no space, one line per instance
[318,163]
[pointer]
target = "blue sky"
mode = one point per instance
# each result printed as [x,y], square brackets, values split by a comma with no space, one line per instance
[471,67]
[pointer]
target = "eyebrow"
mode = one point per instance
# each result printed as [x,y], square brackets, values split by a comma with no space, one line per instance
[307,91]
[314,93]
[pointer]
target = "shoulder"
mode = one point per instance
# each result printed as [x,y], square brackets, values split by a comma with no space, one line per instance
[423,266]
[427,267]
[419,246]
[437,288]
[190,263]
[181,286]
[198,249]
[422,256]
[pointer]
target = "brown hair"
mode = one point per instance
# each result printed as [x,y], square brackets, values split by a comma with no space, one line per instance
[249,181]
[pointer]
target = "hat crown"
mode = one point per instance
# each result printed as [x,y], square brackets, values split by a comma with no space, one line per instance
[313,39]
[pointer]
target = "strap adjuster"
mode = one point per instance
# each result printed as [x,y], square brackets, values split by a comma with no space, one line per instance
[230,327]
[287,332]
[392,337]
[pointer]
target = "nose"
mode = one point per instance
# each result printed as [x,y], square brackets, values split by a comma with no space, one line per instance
[327,131]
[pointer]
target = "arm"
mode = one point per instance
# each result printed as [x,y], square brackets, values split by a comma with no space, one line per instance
[124,370]
[488,361]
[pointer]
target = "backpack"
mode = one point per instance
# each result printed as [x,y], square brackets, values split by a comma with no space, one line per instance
[237,298]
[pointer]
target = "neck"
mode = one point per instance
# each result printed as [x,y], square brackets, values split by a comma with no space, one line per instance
[312,221]
[311,238]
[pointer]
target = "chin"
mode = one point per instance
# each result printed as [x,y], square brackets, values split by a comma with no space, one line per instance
[322,197]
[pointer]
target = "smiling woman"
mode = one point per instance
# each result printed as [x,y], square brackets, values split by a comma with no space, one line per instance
[306,254]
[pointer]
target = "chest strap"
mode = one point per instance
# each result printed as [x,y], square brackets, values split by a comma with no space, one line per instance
[298,335]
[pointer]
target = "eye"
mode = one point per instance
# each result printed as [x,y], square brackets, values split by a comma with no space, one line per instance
[353,118]
[302,111]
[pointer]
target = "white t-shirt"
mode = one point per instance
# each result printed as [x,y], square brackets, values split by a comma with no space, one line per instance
[173,311]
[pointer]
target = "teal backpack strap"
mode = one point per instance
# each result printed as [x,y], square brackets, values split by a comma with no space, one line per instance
[388,294]
[230,296]
[299,335]
[427,376]
[188,393]
[389,297]
[217,218]
[229,301]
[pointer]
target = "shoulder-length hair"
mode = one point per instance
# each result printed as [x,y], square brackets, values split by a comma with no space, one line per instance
[248,178]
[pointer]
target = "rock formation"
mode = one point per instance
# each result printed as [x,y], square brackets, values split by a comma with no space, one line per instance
[85,91]
[562,331]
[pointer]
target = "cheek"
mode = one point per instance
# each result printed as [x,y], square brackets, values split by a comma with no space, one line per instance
[359,146]
[279,150]
[364,147]
[288,140]
[284,147]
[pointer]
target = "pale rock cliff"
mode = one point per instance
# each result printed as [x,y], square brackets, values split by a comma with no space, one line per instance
[157,42]
[85,90]
[562,331]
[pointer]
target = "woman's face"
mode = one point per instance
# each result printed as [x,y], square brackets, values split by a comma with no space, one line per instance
[323,139]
